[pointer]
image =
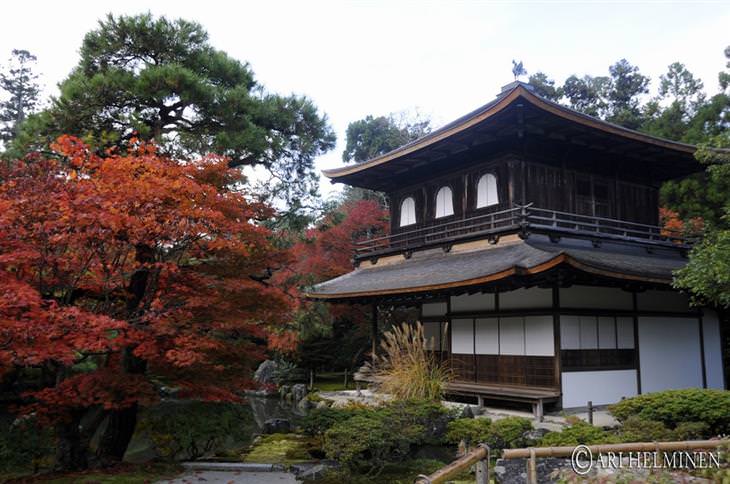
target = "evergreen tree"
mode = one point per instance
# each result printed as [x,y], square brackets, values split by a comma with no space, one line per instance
[159,79]
[680,98]
[20,84]
[627,85]
[374,136]
[544,86]
[587,94]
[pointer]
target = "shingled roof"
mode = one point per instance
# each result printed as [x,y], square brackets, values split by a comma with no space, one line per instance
[435,270]
[492,118]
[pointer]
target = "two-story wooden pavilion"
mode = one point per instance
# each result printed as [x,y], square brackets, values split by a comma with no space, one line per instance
[527,233]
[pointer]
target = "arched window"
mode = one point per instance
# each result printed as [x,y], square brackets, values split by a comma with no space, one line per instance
[487,191]
[407,212]
[444,202]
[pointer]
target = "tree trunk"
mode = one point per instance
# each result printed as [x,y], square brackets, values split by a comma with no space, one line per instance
[117,435]
[72,449]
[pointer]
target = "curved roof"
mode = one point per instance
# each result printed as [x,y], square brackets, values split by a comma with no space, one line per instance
[436,270]
[491,109]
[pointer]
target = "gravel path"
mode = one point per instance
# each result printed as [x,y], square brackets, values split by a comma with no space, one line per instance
[232,477]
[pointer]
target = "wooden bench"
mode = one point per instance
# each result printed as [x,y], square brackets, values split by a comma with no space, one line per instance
[537,396]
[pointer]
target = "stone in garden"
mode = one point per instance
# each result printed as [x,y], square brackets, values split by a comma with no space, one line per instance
[304,405]
[299,391]
[514,471]
[467,412]
[277,426]
[265,372]
[322,404]
[533,436]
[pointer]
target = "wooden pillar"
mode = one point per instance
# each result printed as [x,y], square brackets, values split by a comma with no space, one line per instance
[637,355]
[374,328]
[700,321]
[556,336]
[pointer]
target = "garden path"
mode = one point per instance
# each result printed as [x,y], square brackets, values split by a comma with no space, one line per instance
[232,477]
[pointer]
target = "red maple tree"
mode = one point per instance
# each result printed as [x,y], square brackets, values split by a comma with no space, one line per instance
[122,274]
[323,252]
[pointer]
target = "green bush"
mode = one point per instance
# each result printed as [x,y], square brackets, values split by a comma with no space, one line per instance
[320,420]
[578,433]
[365,442]
[472,430]
[25,445]
[636,429]
[672,407]
[692,431]
[508,433]
[372,437]
[187,430]
[430,418]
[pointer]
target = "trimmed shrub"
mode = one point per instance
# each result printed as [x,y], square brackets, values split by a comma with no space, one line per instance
[672,407]
[692,431]
[370,437]
[508,433]
[363,442]
[578,433]
[320,420]
[635,429]
[472,430]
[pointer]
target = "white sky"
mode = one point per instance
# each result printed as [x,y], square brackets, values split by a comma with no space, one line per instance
[376,57]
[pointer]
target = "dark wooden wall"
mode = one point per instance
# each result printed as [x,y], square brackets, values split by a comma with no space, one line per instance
[549,186]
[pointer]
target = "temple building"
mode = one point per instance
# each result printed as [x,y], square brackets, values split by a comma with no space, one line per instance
[528,237]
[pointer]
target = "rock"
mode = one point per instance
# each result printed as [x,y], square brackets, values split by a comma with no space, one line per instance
[467,412]
[298,391]
[311,472]
[265,372]
[533,436]
[514,471]
[305,404]
[276,426]
[322,404]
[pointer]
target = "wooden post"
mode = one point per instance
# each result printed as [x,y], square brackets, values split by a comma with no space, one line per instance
[482,467]
[532,468]
[345,378]
[311,380]
[590,412]
[374,329]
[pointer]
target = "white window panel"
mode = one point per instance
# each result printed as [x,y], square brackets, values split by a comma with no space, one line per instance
[487,191]
[512,336]
[487,336]
[407,212]
[444,202]
[606,333]
[539,336]
[462,336]
[588,333]
[625,333]
[570,332]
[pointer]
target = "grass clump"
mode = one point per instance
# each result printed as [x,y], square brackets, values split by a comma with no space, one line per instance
[405,369]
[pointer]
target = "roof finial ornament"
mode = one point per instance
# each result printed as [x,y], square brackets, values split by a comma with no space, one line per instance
[518,69]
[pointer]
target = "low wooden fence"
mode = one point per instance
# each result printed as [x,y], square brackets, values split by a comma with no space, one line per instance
[480,456]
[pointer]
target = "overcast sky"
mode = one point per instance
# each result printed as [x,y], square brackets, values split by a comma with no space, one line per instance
[376,57]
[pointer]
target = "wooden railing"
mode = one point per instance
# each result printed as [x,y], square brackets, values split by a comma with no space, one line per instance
[525,219]
[480,457]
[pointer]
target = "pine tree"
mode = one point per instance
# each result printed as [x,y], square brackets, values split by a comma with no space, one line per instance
[21,84]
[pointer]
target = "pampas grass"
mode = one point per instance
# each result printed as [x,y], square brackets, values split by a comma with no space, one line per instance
[405,369]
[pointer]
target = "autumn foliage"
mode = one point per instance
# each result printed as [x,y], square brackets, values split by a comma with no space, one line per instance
[122,273]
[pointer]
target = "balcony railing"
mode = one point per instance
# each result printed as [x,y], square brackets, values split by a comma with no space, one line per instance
[522,219]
